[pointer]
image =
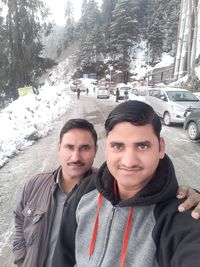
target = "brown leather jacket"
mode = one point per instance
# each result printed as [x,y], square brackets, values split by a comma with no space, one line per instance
[33,219]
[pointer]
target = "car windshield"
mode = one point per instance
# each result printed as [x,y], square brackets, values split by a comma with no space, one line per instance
[181,96]
[103,88]
[143,92]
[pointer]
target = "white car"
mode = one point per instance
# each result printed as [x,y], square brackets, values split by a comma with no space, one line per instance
[172,104]
[197,94]
[102,92]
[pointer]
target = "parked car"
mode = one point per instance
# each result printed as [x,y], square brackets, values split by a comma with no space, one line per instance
[102,92]
[111,87]
[197,94]
[124,91]
[192,124]
[139,93]
[172,104]
[74,85]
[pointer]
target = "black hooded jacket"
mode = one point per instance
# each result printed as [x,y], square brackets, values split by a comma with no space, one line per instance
[159,235]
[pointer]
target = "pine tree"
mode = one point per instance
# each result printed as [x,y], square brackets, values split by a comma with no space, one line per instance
[108,7]
[25,24]
[162,27]
[4,64]
[123,29]
[91,37]
[69,25]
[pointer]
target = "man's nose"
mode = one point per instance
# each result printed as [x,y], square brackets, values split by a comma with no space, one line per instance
[76,155]
[129,158]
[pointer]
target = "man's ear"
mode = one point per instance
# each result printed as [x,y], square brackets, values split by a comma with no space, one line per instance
[162,147]
[96,148]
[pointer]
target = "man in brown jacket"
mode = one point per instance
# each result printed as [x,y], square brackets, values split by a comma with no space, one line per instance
[38,214]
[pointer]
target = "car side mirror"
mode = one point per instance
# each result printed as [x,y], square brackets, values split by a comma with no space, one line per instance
[163,98]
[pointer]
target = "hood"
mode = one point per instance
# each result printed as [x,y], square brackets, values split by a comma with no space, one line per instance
[162,187]
[187,104]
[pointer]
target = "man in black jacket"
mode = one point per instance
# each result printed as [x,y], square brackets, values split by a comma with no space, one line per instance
[126,214]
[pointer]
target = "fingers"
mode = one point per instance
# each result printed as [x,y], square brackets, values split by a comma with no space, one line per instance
[183,191]
[196,213]
[192,200]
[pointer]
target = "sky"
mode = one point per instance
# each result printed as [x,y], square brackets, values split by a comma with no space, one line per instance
[58,9]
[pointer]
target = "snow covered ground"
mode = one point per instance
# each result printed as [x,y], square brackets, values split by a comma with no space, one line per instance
[30,117]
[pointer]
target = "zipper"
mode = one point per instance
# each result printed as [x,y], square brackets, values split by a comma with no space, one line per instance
[49,230]
[108,235]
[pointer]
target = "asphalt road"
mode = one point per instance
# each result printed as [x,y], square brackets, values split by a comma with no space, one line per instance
[43,156]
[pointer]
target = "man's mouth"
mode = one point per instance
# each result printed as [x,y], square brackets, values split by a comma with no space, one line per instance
[132,169]
[78,163]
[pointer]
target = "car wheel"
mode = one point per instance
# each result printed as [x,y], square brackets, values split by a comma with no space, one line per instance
[167,119]
[193,131]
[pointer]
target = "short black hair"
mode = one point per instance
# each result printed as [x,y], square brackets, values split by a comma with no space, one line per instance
[135,112]
[79,124]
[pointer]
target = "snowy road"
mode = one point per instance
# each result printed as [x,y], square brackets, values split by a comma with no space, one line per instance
[43,155]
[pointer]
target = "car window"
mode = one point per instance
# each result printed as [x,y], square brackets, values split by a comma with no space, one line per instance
[155,93]
[103,88]
[181,96]
[143,92]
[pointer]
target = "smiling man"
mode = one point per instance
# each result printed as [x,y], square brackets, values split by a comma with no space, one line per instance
[127,215]
[38,214]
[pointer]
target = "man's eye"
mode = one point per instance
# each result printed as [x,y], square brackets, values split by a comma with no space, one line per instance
[85,148]
[117,146]
[143,147]
[69,147]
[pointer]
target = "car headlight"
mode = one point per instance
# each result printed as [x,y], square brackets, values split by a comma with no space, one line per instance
[187,113]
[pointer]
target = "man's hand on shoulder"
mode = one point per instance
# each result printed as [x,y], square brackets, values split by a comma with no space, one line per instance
[192,200]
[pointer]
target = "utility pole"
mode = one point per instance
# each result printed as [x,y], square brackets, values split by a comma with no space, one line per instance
[148,58]
[110,68]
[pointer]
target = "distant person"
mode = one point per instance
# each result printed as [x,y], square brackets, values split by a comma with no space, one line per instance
[78,92]
[87,91]
[117,94]
[38,214]
[36,90]
[127,213]
[126,95]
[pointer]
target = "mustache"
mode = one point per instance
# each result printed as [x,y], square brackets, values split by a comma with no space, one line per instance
[78,162]
[135,167]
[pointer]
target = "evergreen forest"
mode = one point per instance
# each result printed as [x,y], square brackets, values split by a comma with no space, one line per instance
[112,31]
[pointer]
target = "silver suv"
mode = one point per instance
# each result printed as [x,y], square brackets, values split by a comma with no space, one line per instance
[172,104]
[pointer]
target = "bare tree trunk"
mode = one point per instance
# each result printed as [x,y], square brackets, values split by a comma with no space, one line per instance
[194,39]
[183,61]
[189,32]
[198,30]
[188,47]
[181,28]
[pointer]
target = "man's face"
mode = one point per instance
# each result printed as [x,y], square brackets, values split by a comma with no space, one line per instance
[77,151]
[132,155]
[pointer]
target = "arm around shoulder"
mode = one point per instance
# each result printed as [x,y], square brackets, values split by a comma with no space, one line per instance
[177,238]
